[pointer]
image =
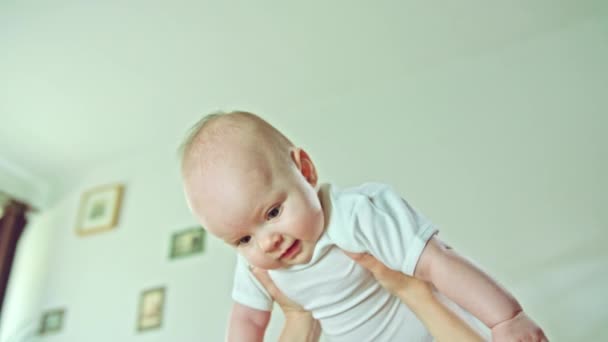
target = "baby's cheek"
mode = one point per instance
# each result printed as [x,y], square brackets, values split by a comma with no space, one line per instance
[309,225]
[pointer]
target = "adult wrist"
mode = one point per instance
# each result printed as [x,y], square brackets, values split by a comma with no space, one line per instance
[298,315]
[416,291]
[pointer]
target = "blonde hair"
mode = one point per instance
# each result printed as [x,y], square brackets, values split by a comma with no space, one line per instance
[277,140]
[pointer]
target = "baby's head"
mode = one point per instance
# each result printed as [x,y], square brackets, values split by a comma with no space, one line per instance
[251,187]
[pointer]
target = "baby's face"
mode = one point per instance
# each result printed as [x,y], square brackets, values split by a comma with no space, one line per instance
[270,212]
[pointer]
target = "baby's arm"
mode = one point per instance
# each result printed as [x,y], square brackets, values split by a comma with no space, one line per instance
[418,295]
[247,324]
[477,292]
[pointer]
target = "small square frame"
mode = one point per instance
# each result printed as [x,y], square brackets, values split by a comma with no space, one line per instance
[99,209]
[187,242]
[51,321]
[151,307]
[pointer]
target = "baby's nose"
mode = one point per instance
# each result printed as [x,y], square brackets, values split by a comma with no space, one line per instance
[271,242]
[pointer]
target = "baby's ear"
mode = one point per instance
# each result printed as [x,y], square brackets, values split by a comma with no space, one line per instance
[305,165]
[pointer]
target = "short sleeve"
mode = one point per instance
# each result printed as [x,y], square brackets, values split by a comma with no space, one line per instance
[247,290]
[386,226]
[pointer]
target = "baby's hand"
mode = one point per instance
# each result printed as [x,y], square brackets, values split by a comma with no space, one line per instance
[518,328]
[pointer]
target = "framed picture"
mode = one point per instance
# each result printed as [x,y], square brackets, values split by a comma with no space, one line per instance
[187,242]
[151,306]
[99,208]
[51,321]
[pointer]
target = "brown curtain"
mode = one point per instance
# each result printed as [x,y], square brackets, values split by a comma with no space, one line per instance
[11,226]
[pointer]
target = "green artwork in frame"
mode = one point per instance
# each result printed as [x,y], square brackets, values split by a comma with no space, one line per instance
[51,321]
[187,242]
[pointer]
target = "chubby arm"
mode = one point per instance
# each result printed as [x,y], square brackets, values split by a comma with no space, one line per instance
[465,284]
[475,291]
[247,324]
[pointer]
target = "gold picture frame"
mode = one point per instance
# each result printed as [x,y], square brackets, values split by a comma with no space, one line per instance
[99,209]
[151,307]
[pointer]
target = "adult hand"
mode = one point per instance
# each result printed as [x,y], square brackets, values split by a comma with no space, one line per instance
[288,306]
[441,322]
[299,325]
[395,282]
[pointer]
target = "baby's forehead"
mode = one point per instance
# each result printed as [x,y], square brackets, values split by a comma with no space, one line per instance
[235,198]
[239,162]
[238,177]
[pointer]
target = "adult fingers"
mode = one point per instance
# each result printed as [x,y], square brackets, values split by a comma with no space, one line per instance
[286,304]
[263,277]
[390,279]
[368,261]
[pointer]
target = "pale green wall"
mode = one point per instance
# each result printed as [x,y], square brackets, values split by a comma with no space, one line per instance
[503,149]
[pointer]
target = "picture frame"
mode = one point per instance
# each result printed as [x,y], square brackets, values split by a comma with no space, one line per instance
[99,209]
[151,307]
[51,321]
[187,242]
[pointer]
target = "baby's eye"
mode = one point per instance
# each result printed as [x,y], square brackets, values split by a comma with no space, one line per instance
[244,240]
[274,212]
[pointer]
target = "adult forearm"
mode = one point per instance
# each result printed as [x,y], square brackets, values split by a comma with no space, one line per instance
[441,322]
[301,327]
[473,289]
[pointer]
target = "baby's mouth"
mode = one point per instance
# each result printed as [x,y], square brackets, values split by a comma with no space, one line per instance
[291,251]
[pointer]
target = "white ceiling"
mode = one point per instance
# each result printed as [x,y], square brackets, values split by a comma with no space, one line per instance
[82,83]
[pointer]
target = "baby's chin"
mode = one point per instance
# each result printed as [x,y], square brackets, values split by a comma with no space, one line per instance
[282,265]
[276,267]
[269,266]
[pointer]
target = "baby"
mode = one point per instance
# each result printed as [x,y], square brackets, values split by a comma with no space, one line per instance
[250,186]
